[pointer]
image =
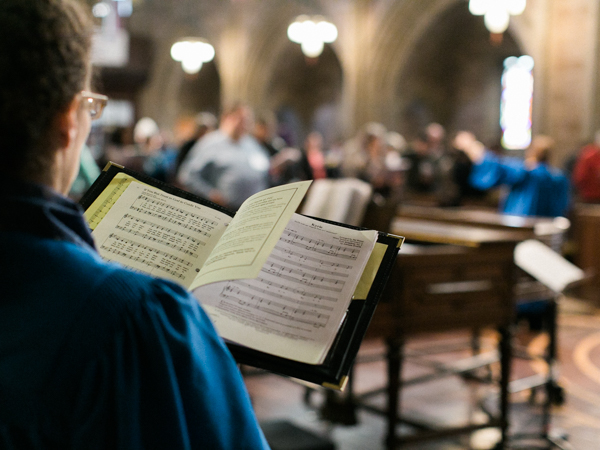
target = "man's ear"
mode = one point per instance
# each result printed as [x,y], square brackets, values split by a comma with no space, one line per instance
[66,124]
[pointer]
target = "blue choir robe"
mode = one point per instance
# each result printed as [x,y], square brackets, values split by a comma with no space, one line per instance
[94,356]
[541,191]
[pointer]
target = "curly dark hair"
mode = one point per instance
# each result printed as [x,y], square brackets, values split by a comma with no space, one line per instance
[44,63]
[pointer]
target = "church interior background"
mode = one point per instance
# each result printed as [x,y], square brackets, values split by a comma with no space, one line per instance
[402,63]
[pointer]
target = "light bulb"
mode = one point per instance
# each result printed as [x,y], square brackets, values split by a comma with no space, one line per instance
[191,65]
[327,31]
[294,32]
[478,7]
[496,19]
[192,53]
[312,33]
[205,51]
[179,50]
[312,47]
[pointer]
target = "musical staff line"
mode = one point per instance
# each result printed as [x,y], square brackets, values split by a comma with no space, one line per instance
[148,262]
[300,276]
[307,258]
[307,267]
[144,254]
[314,297]
[277,309]
[320,247]
[203,223]
[180,213]
[167,236]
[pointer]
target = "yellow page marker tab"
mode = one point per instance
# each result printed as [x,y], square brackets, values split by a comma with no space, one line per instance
[368,276]
[98,209]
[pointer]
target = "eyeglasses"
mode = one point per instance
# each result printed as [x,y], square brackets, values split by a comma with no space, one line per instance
[95,103]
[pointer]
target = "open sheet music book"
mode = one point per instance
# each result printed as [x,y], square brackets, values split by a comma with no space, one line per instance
[277,285]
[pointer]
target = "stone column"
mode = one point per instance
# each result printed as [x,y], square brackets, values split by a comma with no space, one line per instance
[570,92]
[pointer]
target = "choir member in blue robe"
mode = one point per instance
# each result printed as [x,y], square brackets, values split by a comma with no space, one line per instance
[534,188]
[92,356]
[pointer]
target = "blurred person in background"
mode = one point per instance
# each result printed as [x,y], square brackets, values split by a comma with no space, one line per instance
[374,169]
[464,192]
[148,154]
[265,132]
[420,166]
[586,172]
[158,158]
[394,163]
[314,156]
[359,149]
[436,139]
[204,123]
[334,155]
[88,172]
[534,187]
[307,163]
[228,165]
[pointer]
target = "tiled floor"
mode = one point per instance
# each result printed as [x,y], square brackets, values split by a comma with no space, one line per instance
[453,400]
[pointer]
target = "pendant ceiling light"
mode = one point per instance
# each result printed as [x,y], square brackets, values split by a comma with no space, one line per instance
[192,53]
[312,33]
[496,13]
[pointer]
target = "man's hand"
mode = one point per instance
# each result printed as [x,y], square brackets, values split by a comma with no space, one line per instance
[466,141]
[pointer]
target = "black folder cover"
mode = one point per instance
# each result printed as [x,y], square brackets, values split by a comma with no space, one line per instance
[333,372]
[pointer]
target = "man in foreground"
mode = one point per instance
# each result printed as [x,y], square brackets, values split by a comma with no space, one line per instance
[92,356]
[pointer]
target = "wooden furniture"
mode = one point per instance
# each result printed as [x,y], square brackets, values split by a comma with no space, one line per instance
[463,281]
[476,217]
[549,230]
[586,224]
[535,300]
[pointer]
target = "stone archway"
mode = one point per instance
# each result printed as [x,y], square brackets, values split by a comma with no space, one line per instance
[453,77]
[305,93]
[439,65]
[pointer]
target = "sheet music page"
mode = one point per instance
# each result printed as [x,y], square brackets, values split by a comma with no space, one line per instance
[296,305]
[159,234]
[252,234]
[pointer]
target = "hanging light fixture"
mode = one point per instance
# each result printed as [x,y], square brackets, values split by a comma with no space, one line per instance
[496,13]
[192,53]
[312,33]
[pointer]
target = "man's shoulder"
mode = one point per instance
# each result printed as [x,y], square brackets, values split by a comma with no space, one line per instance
[106,287]
[212,139]
[250,143]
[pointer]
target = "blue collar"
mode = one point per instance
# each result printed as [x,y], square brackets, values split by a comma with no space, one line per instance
[40,211]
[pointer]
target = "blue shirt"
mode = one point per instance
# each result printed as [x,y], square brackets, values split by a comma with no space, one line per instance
[94,356]
[541,191]
[237,169]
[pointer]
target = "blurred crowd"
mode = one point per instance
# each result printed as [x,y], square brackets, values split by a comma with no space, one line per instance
[228,158]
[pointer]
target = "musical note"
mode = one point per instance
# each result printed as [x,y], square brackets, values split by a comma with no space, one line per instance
[234,295]
[154,232]
[151,257]
[338,251]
